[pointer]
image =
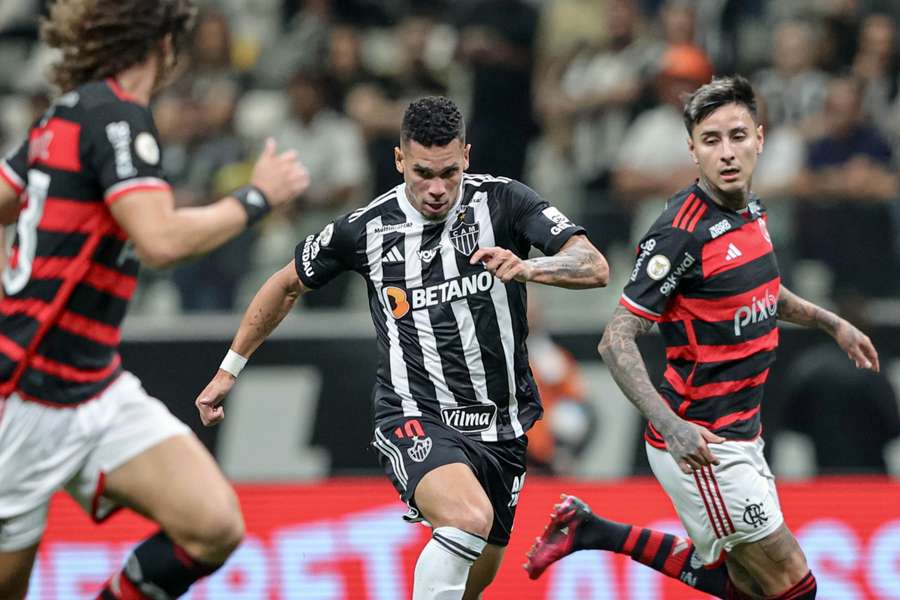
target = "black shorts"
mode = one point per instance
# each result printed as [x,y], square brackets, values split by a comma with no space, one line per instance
[410,447]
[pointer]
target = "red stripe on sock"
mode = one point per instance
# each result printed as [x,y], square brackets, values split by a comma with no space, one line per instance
[123,589]
[798,590]
[651,547]
[183,557]
[678,556]
[631,540]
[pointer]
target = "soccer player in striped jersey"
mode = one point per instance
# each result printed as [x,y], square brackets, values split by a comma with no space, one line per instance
[89,198]
[706,274]
[445,259]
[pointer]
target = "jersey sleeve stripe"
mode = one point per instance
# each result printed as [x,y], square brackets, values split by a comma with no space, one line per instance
[696,205]
[131,185]
[684,208]
[699,214]
[639,310]
[11,177]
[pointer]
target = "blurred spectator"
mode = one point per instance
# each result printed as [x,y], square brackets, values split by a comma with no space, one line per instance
[332,148]
[875,64]
[784,155]
[497,39]
[569,422]
[653,160]
[793,87]
[302,46]
[849,179]
[204,161]
[851,414]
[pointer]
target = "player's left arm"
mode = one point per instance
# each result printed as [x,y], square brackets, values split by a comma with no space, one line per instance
[859,348]
[577,265]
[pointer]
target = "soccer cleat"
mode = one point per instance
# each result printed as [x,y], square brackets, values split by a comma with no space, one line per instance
[558,538]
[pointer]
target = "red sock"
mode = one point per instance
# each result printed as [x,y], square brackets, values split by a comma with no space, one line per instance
[805,589]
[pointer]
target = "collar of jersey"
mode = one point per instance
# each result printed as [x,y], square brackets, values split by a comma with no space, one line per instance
[752,211]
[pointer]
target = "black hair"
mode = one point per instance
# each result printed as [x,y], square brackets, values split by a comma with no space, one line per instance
[433,121]
[715,94]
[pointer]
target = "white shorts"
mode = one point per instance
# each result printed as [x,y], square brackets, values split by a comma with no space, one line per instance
[46,448]
[726,505]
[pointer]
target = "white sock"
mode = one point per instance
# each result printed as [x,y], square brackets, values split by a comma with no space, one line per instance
[443,565]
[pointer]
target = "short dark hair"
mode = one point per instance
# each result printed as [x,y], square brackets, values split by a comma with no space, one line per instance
[433,121]
[717,93]
[100,38]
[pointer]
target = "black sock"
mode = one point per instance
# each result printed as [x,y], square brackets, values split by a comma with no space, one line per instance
[595,533]
[158,564]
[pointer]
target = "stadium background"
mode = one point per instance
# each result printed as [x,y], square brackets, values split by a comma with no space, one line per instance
[574,97]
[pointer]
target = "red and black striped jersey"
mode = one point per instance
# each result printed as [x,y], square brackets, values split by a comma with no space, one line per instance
[708,276]
[71,271]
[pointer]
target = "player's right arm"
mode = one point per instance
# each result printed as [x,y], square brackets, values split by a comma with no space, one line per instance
[685,441]
[163,234]
[667,258]
[272,303]
[317,260]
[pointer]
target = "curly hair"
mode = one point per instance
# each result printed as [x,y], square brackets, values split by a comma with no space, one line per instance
[99,38]
[433,121]
[719,92]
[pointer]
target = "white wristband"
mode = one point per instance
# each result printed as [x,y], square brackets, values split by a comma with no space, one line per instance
[233,363]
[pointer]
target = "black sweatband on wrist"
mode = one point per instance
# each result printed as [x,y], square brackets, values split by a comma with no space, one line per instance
[254,202]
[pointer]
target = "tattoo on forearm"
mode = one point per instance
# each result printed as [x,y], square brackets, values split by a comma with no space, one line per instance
[574,267]
[623,358]
[794,309]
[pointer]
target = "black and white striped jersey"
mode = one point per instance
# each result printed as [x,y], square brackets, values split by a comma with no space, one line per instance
[451,337]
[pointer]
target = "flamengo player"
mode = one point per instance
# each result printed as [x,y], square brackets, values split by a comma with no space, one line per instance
[706,274]
[90,189]
[444,256]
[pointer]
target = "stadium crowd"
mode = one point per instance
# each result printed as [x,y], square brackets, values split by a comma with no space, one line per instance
[578,98]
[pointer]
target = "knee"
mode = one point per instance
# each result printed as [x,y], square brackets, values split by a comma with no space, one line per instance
[216,530]
[471,516]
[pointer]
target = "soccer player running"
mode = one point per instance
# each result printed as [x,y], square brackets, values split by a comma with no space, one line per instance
[444,256]
[706,274]
[87,193]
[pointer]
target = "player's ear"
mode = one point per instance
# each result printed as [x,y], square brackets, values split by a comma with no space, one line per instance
[466,149]
[761,138]
[690,142]
[398,159]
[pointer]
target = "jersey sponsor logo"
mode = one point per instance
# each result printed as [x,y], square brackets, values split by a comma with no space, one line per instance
[658,267]
[464,236]
[428,255]
[758,311]
[324,237]
[393,256]
[309,254]
[470,419]
[392,228]
[733,252]
[399,301]
[517,485]
[671,282]
[646,248]
[119,135]
[146,148]
[719,228]
[561,221]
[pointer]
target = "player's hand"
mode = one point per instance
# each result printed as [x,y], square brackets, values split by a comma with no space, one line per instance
[688,445]
[502,264]
[281,177]
[209,402]
[857,345]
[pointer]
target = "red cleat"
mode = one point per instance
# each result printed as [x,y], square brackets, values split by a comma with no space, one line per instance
[558,538]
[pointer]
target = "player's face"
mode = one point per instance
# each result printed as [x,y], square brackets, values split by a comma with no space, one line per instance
[726,145]
[432,175]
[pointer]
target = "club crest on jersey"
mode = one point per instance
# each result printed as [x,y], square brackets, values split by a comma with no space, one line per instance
[464,236]
[420,449]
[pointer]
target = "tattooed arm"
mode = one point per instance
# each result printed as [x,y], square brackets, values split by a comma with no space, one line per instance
[577,265]
[268,308]
[686,442]
[794,309]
